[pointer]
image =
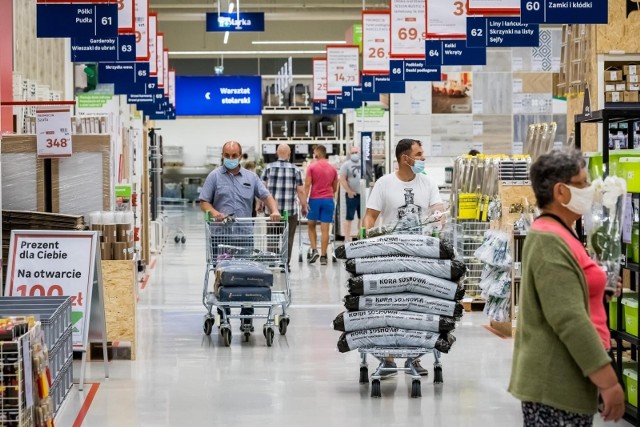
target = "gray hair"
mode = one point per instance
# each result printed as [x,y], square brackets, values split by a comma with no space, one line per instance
[552,168]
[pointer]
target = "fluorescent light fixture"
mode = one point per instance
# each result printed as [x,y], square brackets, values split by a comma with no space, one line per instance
[226,37]
[231,6]
[245,52]
[299,42]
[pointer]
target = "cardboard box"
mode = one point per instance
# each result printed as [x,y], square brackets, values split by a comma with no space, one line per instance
[614,96]
[621,87]
[612,75]
[633,86]
[633,78]
[631,69]
[610,86]
[631,96]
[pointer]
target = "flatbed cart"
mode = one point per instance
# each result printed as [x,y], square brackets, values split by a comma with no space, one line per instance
[408,353]
[174,208]
[249,239]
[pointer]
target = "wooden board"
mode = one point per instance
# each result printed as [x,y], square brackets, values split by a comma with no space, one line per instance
[620,33]
[535,82]
[119,282]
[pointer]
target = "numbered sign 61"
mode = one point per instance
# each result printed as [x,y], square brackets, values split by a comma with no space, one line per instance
[53,132]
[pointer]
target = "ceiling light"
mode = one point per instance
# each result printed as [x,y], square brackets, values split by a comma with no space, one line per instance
[299,42]
[245,52]
[231,6]
[226,37]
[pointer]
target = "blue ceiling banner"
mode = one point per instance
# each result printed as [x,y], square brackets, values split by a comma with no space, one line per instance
[454,52]
[104,49]
[564,12]
[76,20]
[242,22]
[218,96]
[381,84]
[411,70]
[501,32]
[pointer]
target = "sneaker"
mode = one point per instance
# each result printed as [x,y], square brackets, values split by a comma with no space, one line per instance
[419,369]
[314,256]
[323,260]
[390,373]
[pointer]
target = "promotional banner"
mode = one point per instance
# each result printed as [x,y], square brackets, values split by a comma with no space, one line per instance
[126,16]
[501,32]
[153,44]
[222,22]
[564,12]
[343,67]
[219,96]
[77,20]
[493,7]
[454,52]
[408,31]
[446,19]
[165,67]
[103,49]
[414,70]
[376,27]
[319,79]
[53,132]
[160,59]
[142,29]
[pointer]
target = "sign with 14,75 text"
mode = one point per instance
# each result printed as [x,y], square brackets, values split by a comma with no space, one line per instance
[564,12]
[77,20]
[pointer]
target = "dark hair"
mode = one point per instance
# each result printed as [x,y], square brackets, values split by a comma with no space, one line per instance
[321,149]
[552,168]
[404,146]
[474,152]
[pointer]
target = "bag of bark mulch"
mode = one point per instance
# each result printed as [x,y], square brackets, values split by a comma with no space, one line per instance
[395,337]
[393,283]
[405,302]
[412,245]
[350,321]
[445,269]
[243,273]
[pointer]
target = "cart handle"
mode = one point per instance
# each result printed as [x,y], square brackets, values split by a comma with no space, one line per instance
[208,218]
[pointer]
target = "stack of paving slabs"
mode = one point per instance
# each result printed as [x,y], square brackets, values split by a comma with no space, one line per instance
[404,292]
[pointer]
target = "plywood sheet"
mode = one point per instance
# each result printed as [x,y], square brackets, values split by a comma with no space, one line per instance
[119,282]
[494,132]
[621,34]
[492,93]
[533,82]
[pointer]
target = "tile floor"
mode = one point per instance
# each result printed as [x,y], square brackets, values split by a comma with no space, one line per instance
[183,378]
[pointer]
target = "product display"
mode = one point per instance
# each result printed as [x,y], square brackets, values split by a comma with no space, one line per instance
[495,282]
[350,321]
[389,283]
[413,245]
[445,269]
[394,337]
[405,301]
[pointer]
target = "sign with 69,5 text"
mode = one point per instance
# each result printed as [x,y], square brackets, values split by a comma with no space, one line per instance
[55,263]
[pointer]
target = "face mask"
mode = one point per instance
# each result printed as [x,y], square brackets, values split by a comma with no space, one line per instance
[581,200]
[231,164]
[355,157]
[418,166]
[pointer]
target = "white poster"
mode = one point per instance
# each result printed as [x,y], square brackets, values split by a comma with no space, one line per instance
[53,132]
[126,16]
[408,23]
[343,67]
[494,7]
[319,79]
[153,44]
[55,263]
[165,67]
[172,87]
[142,29]
[375,42]
[447,19]
[160,59]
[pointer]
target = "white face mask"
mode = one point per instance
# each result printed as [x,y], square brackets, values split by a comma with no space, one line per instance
[581,199]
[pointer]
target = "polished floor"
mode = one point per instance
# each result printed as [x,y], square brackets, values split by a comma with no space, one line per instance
[183,378]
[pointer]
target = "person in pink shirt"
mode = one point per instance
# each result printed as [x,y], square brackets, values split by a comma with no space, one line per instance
[321,184]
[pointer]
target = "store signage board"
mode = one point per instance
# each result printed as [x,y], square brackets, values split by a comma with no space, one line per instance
[142,29]
[376,27]
[153,44]
[243,22]
[319,79]
[165,67]
[493,7]
[77,20]
[382,84]
[104,49]
[454,52]
[446,19]
[564,12]
[160,59]
[122,72]
[219,96]
[408,31]
[414,70]
[172,87]
[343,67]
[359,95]
[501,32]
[126,16]
[343,102]
[141,85]
[53,132]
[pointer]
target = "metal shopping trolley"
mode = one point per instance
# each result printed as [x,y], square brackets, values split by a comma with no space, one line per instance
[172,209]
[250,239]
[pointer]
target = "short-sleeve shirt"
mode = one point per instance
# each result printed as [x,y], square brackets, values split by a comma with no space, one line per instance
[352,171]
[282,180]
[323,175]
[395,199]
[233,194]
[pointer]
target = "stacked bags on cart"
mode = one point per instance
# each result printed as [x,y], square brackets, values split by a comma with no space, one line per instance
[496,275]
[404,292]
[241,280]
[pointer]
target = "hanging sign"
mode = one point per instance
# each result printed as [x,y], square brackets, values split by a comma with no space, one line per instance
[343,67]
[375,42]
[414,70]
[382,84]
[153,44]
[77,20]
[319,79]
[126,16]
[408,31]
[172,87]
[564,12]
[501,32]
[446,19]
[103,49]
[165,66]
[142,29]
[359,95]
[160,59]
[53,132]
[243,21]
[493,7]
[454,52]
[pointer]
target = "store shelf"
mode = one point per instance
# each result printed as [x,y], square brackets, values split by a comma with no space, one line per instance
[288,112]
[625,336]
[303,141]
[630,413]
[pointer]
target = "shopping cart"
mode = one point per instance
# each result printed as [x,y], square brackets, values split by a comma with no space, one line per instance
[174,209]
[303,241]
[408,353]
[251,239]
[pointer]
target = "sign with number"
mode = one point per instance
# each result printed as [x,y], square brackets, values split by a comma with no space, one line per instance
[235,21]
[77,20]
[50,263]
[382,84]
[454,52]
[53,132]
[165,66]
[564,12]
[127,77]
[142,29]
[414,70]
[375,42]
[109,49]
[153,44]
[446,19]
[172,87]
[501,32]
[408,31]
[126,16]
[160,59]
[319,79]
[343,67]
[493,7]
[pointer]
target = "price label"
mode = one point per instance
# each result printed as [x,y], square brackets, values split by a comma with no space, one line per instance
[126,16]
[446,18]
[153,44]
[142,29]
[160,59]
[53,132]
[494,7]
[319,79]
[375,42]
[408,29]
[343,67]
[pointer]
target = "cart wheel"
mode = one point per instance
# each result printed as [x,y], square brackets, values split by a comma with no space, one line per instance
[300,258]
[437,375]
[364,375]
[208,326]
[183,240]
[375,388]
[416,389]
[282,326]
[269,335]
[176,239]
[246,336]
[226,336]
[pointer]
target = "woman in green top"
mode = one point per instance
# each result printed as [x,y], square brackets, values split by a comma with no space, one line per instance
[560,364]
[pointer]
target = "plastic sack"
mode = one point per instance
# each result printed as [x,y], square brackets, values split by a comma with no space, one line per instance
[409,224]
[494,249]
[498,309]
[233,273]
[405,302]
[350,321]
[413,245]
[392,283]
[394,337]
[445,269]
[495,282]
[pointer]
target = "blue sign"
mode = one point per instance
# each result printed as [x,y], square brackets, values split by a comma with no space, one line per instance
[219,96]
[381,84]
[148,85]
[104,49]
[359,95]
[501,32]
[414,71]
[454,52]
[123,72]
[220,22]
[564,12]
[77,20]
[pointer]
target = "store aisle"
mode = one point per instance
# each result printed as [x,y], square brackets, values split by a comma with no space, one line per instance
[183,378]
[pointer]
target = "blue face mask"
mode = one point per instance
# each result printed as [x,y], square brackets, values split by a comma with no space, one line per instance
[355,157]
[231,164]
[418,166]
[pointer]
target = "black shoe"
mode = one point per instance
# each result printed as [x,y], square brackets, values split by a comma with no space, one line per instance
[323,260]
[314,256]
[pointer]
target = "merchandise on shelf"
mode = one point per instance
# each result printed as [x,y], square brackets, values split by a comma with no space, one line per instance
[116,238]
[495,282]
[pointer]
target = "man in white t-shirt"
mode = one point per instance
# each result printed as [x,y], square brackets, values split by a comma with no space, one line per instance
[397,195]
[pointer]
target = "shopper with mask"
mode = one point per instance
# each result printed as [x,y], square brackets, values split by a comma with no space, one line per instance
[560,361]
[350,180]
[405,192]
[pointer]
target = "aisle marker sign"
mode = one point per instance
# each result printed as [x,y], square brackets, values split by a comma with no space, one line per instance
[446,19]
[408,31]
[153,44]
[382,84]
[165,67]
[564,12]
[160,59]
[126,16]
[501,32]
[493,7]
[343,67]
[235,21]
[172,87]
[319,79]
[77,20]
[142,29]
[375,42]
[103,49]
[414,70]
[53,132]
[454,52]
